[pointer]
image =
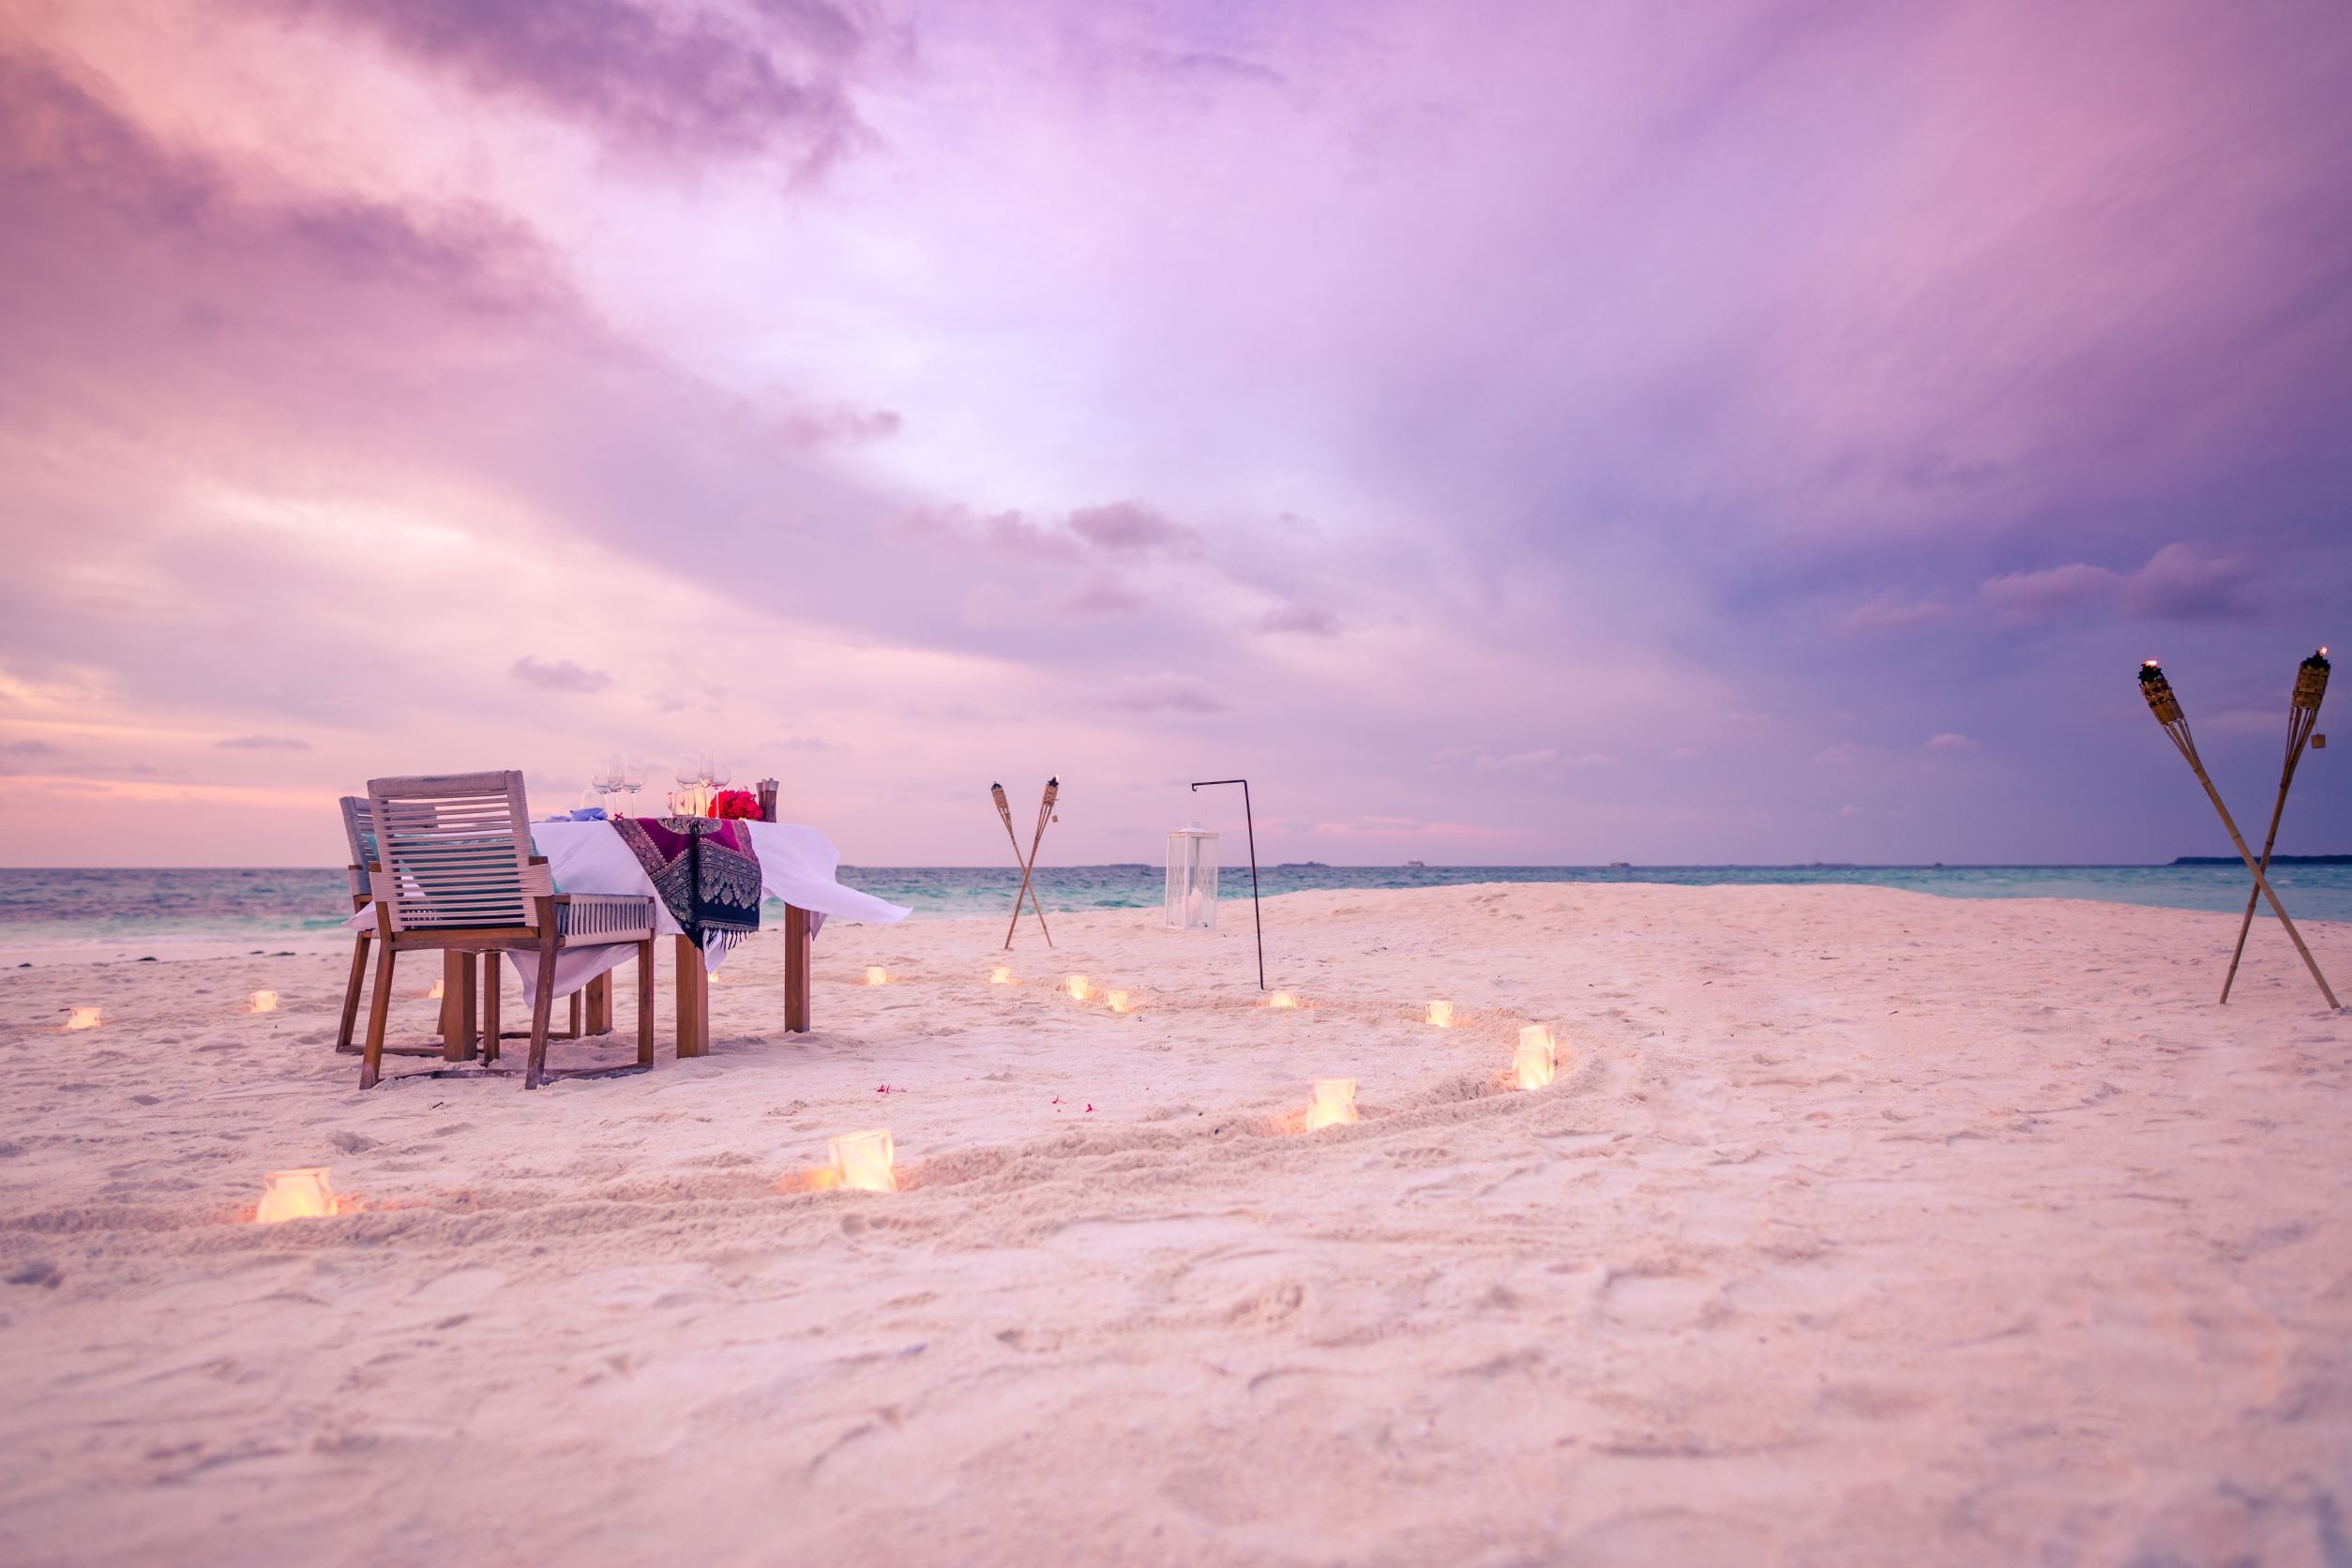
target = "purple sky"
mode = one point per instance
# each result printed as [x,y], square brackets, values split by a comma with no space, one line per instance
[1528,434]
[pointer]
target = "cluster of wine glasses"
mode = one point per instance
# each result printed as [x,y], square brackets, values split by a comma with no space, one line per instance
[699,774]
[612,775]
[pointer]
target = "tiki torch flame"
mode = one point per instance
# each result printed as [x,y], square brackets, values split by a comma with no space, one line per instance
[2310,682]
[2158,690]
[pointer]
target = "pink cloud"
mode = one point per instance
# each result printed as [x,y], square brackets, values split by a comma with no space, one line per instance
[1891,612]
[559,675]
[1166,694]
[807,426]
[2179,581]
[676,81]
[1130,528]
[1305,620]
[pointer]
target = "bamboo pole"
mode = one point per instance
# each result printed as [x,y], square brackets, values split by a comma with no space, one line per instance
[1045,815]
[2166,707]
[2303,718]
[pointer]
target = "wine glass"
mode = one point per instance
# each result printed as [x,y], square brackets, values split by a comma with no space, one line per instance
[714,769]
[632,777]
[689,777]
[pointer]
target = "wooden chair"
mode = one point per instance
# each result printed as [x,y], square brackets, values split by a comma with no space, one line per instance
[457,1008]
[456,873]
[355,809]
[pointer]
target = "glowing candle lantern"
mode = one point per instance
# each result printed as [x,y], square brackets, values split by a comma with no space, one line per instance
[82,1017]
[1334,1102]
[1118,1001]
[863,1161]
[295,1194]
[1001,975]
[435,994]
[1282,999]
[877,976]
[1442,1015]
[1079,988]
[1191,903]
[263,1002]
[1535,1061]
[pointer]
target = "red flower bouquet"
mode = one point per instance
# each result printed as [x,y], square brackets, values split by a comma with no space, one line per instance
[739,804]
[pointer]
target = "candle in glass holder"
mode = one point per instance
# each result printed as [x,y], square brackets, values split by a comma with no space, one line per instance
[1535,1061]
[262,1001]
[1079,988]
[1117,1000]
[302,1194]
[877,976]
[864,1161]
[1282,999]
[1442,1015]
[435,994]
[82,1017]
[1001,975]
[1334,1102]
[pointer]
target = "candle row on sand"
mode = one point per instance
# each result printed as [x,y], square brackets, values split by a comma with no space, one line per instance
[93,1018]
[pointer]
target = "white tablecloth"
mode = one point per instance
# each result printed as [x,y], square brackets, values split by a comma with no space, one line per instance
[796,864]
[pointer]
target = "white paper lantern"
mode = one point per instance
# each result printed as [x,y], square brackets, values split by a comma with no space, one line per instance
[1192,879]
[302,1194]
[864,1161]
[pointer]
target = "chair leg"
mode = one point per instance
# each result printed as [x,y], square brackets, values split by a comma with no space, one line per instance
[494,984]
[646,1002]
[379,1013]
[351,994]
[542,1007]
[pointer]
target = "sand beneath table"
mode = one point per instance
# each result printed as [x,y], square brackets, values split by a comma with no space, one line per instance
[1861,1226]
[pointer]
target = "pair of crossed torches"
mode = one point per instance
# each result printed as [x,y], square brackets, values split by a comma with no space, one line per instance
[2302,715]
[1028,863]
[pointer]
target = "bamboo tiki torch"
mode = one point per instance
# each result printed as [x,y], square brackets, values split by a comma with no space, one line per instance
[2166,707]
[2303,718]
[1045,815]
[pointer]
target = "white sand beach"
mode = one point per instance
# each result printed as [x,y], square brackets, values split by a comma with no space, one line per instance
[1859,1225]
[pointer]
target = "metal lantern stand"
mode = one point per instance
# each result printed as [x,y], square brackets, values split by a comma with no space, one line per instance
[1251,825]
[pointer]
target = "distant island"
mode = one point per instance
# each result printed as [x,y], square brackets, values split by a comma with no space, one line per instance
[2275,860]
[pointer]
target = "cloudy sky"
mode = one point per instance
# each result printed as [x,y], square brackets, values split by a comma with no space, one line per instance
[1507,433]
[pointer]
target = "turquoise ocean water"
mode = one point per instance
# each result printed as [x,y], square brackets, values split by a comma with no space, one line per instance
[62,912]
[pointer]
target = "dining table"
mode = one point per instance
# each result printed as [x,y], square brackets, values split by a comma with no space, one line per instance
[797,866]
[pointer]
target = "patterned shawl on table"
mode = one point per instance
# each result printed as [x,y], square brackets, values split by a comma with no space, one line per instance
[703,869]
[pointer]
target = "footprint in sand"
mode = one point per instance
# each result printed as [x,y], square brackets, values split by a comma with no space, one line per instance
[1659,1300]
[457,1288]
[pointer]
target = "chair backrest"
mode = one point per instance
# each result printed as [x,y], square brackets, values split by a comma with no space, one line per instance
[360,840]
[359,832]
[455,851]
